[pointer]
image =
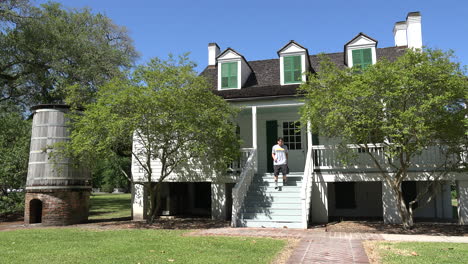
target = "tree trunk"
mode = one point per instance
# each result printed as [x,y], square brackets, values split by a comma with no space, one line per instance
[155,197]
[406,216]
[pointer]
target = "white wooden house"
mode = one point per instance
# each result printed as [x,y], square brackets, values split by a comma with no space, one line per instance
[319,187]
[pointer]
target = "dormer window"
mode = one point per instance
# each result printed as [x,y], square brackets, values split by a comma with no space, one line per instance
[362,58]
[360,52]
[292,69]
[233,70]
[229,75]
[294,62]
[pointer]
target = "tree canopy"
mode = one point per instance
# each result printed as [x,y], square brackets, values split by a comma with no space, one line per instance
[414,102]
[49,54]
[14,156]
[48,49]
[170,114]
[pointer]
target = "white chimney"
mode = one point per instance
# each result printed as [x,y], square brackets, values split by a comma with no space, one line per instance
[399,33]
[213,52]
[413,30]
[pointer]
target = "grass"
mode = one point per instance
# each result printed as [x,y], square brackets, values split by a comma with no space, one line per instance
[418,252]
[110,206]
[73,245]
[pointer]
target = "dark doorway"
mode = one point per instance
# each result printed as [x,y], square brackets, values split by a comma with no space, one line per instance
[202,193]
[345,197]
[410,192]
[35,211]
[271,137]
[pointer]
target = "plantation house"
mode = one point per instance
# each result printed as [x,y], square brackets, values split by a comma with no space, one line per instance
[320,187]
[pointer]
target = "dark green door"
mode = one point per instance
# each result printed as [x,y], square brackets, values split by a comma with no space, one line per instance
[271,136]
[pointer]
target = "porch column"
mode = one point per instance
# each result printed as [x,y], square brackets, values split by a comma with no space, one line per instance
[139,202]
[309,137]
[254,135]
[218,201]
[389,204]
[462,188]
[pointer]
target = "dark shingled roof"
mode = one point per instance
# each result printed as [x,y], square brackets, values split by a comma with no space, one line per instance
[264,81]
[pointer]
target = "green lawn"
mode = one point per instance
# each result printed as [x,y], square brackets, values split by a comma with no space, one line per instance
[422,252]
[73,245]
[110,206]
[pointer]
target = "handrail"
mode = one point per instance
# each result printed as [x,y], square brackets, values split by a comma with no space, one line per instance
[306,189]
[240,189]
[237,165]
[327,157]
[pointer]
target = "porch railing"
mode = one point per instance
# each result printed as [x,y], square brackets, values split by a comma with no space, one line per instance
[328,157]
[237,165]
[306,189]
[242,186]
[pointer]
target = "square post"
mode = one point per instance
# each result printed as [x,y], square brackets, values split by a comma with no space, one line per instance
[254,135]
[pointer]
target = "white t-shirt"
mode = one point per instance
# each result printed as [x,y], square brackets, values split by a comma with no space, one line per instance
[280,154]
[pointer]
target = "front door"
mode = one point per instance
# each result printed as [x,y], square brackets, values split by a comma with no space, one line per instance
[294,138]
[271,138]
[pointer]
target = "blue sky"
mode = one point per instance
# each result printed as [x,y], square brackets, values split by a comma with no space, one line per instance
[258,28]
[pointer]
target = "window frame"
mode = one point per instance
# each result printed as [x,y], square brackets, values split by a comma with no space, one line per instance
[363,63]
[292,72]
[229,76]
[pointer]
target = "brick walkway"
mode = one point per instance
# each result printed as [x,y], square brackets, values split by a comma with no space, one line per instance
[315,246]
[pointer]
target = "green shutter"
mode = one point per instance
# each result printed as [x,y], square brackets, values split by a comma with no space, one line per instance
[224,75]
[229,75]
[287,69]
[233,75]
[357,55]
[362,58]
[366,57]
[292,69]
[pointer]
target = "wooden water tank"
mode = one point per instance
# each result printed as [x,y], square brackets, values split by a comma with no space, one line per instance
[54,182]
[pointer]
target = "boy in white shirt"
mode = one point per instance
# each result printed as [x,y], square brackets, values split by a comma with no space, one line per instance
[279,153]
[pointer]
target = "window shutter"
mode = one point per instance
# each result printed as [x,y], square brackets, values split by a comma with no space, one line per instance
[366,57]
[357,54]
[233,75]
[362,58]
[292,69]
[229,75]
[224,75]
[288,69]
[297,68]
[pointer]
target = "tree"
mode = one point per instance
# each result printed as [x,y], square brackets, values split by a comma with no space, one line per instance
[413,103]
[14,155]
[172,117]
[48,53]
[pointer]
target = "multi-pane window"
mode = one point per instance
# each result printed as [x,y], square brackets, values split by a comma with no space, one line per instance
[292,135]
[362,58]
[229,75]
[292,69]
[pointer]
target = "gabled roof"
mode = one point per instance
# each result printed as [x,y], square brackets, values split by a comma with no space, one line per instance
[264,81]
[289,43]
[360,35]
[237,53]
[300,46]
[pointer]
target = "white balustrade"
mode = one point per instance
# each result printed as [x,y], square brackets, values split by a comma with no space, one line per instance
[327,157]
[240,189]
[306,188]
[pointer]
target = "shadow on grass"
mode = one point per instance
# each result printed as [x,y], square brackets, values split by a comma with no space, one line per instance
[189,223]
[420,228]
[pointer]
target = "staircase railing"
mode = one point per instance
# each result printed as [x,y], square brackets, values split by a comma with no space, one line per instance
[240,189]
[306,189]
